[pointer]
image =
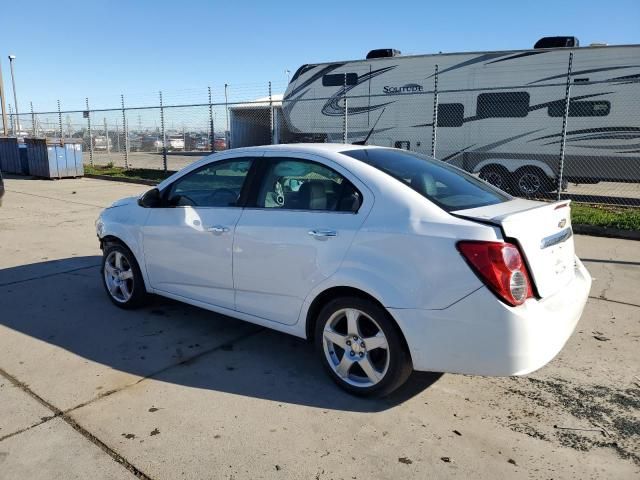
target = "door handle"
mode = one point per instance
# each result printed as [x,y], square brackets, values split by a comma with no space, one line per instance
[217,229]
[320,233]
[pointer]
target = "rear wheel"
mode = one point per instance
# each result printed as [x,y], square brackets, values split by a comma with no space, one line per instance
[361,347]
[496,175]
[121,277]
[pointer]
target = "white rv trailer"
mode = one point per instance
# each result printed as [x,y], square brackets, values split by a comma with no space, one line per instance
[500,113]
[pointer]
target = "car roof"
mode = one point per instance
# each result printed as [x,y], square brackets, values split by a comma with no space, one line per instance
[304,147]
[327,150]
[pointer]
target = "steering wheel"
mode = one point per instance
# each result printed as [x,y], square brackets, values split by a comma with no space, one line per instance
[184,201]
[222,192]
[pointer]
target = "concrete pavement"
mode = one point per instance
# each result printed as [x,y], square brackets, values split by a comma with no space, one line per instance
[170,391]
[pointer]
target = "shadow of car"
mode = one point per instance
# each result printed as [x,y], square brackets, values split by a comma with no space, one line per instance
[62,303]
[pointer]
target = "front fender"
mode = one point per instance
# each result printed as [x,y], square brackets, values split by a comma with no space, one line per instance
[124,224]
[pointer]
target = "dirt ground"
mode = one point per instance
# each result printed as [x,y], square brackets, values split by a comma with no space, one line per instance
[171,391]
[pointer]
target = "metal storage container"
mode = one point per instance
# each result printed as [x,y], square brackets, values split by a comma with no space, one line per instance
[9,155]
[52,160]
[24,159]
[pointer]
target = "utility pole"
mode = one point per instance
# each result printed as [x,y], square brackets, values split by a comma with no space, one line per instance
[15,96]
[11,121]
[5,125]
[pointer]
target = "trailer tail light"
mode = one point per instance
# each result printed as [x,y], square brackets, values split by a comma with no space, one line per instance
[500,266]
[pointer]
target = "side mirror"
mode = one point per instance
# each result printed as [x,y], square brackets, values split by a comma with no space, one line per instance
[151,199]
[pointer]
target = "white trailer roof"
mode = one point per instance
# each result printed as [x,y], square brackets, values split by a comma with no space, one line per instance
[262,102]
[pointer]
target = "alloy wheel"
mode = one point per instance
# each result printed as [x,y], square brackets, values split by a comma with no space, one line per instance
[356,347]
[118,276]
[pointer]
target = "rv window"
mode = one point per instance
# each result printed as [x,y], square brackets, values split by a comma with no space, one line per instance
[596,108]
[338,80]
[450,115]
[502,105]
[300,71]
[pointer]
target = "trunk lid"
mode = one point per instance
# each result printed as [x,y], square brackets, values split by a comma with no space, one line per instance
[543,231]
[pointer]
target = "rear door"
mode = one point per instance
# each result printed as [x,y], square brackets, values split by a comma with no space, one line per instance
[294,234]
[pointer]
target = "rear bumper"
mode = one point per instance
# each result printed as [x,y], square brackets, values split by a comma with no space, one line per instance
[482,336]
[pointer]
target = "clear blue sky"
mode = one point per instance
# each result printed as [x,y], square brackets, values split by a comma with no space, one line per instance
[99,49]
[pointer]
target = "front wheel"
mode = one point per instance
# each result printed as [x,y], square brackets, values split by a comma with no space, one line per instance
[361,347]
[121,277]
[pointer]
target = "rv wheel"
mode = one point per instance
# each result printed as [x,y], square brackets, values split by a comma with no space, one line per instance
[495,175]
[530,181]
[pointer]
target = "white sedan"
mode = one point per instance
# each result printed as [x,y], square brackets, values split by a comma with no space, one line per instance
[388,260]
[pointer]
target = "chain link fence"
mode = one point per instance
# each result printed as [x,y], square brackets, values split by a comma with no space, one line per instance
[573,133]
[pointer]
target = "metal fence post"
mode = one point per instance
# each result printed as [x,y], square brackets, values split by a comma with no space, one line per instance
[434,128]
[226,111]
[89,130]
[567,100]
[125,131]
[106,135]
[345,134]
[270,116]
[212,142]
[33,121]
[164,137]
[60,124]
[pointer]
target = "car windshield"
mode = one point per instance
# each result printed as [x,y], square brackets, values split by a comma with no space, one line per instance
[448,187]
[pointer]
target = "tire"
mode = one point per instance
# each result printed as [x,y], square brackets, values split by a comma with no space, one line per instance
[530,181]
[342,350]
[121,277]
[497,176]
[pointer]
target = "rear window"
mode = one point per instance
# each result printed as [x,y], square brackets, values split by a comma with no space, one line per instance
[448,187]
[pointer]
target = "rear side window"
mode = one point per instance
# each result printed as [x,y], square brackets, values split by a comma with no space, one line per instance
[448,187]
[502,105]
[297,184]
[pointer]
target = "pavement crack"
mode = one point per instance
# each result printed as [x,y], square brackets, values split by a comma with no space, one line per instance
[58,199]
[47,275]
[37,424]
[192,359]
[186,361]
[57,413]
[620,302]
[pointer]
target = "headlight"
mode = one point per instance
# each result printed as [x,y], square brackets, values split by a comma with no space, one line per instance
[100,227]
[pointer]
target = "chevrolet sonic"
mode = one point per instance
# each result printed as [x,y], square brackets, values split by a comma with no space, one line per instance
[389,261]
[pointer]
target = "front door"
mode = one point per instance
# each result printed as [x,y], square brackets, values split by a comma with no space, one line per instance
[294,235]
[188,243]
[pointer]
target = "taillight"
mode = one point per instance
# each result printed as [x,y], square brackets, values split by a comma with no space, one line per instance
[500,266]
